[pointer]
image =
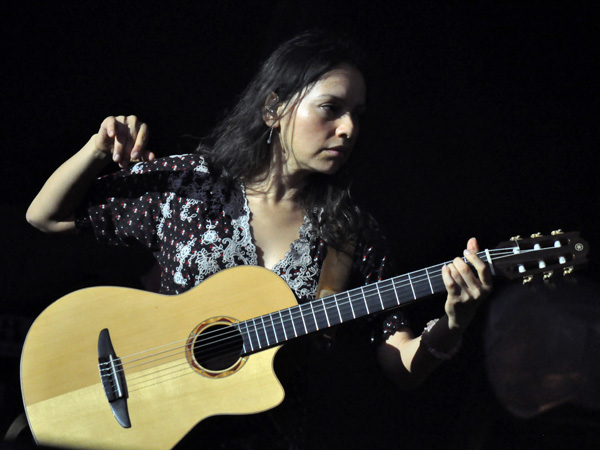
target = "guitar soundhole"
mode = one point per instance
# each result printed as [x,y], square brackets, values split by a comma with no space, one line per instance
[218,347]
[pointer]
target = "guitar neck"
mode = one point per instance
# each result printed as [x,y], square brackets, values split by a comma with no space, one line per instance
[526,259]
[281,326]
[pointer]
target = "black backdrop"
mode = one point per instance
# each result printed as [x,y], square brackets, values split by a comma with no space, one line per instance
[483,120]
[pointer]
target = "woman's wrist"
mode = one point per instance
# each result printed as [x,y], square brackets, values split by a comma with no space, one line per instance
[99,155]
[440,339]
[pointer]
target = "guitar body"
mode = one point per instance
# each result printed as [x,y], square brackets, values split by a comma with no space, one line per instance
[65,400]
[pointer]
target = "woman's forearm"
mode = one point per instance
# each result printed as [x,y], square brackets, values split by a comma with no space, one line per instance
[53,208]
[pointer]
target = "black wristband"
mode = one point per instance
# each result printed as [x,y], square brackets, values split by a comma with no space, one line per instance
[429,337]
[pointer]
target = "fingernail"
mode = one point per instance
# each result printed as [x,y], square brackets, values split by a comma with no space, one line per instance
[467,252]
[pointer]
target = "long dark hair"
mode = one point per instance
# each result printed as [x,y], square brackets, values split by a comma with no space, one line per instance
[238,148]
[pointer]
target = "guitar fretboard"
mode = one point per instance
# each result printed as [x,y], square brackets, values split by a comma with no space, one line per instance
[278,327]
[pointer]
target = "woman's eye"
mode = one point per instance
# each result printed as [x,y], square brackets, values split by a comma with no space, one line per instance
[330,108]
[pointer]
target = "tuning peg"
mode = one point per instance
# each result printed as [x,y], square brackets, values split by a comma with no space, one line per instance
[536,235]
[527,279]
[568,271]
[555,232]
[515,238]
[548,275]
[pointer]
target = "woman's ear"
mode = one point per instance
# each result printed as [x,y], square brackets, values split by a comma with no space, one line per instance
[270,114]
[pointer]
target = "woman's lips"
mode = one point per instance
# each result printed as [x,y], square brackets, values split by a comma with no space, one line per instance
[339,150]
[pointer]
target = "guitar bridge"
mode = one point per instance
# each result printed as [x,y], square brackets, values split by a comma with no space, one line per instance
[113,379]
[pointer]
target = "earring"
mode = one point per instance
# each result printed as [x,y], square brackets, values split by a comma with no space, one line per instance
[270,138]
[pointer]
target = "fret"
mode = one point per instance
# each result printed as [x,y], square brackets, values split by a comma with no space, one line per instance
[351,305]
[290,319]
[273,328]
[438,282]
[360,304]
[256,332]
[379,294]
[388,294]
[429,279]
[310,321]
[420,285]
[332,312]
[365,300]
[283,326]
[320,311]
[298,321]
[245,338]
[337,306]
[373,300]
[249,333]
[404,290]
[325,312]
[312,310]
[411,287]
[265,330]
[345,307]
[303,320]
[489,260]
[395,289]
[322,314]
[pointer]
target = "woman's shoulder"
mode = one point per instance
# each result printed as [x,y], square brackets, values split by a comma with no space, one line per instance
[188,175]
[173,163]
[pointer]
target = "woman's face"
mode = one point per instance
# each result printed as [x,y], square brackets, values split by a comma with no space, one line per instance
[319,130]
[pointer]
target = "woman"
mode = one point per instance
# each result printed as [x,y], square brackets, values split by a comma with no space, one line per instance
[269,189]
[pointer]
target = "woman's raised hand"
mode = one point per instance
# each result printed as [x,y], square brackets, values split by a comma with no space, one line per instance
[124,138]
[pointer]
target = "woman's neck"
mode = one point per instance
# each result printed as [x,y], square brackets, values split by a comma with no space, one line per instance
[274,190]
[277,184]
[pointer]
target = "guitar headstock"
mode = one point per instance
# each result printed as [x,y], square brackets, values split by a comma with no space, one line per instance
[540,256]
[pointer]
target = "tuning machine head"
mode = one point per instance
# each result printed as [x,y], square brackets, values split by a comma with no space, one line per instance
[527,279]
[568,271]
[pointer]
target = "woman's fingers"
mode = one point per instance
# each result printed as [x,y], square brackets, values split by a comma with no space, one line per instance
[106,134]
[464,286]
[141,136]
[462,282]
[125,137]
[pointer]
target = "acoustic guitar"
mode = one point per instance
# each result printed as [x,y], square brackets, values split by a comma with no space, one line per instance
[118,368]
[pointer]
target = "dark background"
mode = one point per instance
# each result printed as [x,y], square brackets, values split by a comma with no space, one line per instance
[482,121]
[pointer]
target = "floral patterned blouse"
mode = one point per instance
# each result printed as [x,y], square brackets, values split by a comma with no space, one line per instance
[197,225]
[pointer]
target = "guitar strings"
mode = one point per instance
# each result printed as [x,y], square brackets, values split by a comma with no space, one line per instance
[364,296]
[271,322]
[184,365]
[221,339]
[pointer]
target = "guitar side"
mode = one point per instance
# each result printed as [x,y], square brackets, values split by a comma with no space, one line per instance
[63,395]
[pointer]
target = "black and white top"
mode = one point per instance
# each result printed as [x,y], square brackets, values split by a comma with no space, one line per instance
[197,225]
